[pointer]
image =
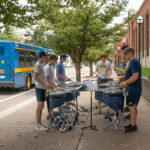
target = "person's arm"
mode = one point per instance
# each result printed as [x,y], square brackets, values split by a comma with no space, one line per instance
[50,83]
[133,78]
[59,75]
[121,78]
[39,81]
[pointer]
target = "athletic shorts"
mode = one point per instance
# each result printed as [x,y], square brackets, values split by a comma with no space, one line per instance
[40,94]
[133,99]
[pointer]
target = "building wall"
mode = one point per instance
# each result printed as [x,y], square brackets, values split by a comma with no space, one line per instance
[133,35]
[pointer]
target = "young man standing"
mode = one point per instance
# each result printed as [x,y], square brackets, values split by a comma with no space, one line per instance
[50,75]
[40,87]
[49,70]
[60,71]
[133,86]
[103,67]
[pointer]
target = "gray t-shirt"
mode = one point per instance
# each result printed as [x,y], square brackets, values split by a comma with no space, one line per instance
[49,72]
[103,68]
[39,68]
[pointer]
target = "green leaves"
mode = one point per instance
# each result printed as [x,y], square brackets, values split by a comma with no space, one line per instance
[14,14]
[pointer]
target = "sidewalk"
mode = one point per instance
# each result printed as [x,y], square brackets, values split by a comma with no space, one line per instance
[17,132]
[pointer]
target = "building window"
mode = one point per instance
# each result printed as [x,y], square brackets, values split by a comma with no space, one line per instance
[147,35]
[21,59]
[1,51]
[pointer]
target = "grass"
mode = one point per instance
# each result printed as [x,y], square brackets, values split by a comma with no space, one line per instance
[145,71]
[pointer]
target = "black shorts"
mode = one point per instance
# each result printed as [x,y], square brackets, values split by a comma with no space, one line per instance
[40,94]
[132,99]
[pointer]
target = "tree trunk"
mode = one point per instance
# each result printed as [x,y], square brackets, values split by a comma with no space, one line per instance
[91,68]
[78,72]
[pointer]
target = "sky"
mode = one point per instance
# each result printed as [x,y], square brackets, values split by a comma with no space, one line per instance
[133,4]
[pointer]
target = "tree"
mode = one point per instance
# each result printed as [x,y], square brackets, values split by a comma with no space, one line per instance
[38,36]
[78,25]
[14,14]
[10,35]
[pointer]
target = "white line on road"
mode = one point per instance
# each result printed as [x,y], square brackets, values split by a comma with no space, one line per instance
[15,108]
[6,99]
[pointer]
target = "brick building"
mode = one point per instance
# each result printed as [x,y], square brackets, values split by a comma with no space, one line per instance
[133,34]
[117,48]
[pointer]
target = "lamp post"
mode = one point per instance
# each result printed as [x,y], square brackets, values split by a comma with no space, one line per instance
[139,21]
[124,41]
[118,56]
[115,58]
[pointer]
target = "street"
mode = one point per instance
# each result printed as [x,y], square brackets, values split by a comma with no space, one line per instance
[12,100]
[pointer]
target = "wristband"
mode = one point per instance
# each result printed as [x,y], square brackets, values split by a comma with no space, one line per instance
[124,83]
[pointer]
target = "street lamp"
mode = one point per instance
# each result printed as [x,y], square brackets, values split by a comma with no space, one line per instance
[124,41]
[139,21]
[115,58]
[118,55]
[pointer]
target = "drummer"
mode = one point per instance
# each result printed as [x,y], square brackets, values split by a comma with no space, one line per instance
[50,75]
[103,67]
[60,70]
[40,88]
[133,85]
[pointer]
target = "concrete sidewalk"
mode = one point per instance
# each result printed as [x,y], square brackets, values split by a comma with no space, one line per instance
[17,132]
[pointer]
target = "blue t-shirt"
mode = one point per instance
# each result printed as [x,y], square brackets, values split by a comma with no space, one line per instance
[134,67]
[61,69]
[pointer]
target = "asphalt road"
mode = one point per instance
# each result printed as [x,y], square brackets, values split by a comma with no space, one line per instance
[12,100]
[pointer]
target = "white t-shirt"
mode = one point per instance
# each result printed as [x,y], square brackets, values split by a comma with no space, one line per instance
[103,68]
[49,72]
[39,68]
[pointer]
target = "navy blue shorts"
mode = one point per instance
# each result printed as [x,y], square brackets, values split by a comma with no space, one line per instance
[132,99]
[40,94]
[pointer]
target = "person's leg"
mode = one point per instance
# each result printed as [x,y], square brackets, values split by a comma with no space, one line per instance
[39,109]
[133,114]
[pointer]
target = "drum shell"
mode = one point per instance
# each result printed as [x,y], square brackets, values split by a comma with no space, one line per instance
[55,102]
[114,102]
[71,96]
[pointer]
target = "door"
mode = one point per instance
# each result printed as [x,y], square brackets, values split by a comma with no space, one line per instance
[5,62]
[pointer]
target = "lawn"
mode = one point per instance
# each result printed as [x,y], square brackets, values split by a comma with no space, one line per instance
[145,71]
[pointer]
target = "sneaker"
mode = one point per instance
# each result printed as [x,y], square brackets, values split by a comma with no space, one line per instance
[131,128]
[44,125]
[127,117]
[126,109]
[40,128]
[128,126]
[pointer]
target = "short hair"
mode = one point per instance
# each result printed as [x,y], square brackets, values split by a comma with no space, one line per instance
[124,47]
[130,50]
[53,57]
[102,55]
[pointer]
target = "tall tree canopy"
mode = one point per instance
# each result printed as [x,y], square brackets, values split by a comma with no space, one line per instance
[14,14]
[75,26]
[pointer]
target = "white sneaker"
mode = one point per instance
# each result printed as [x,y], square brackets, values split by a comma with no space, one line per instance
[44,125]
[40,128]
